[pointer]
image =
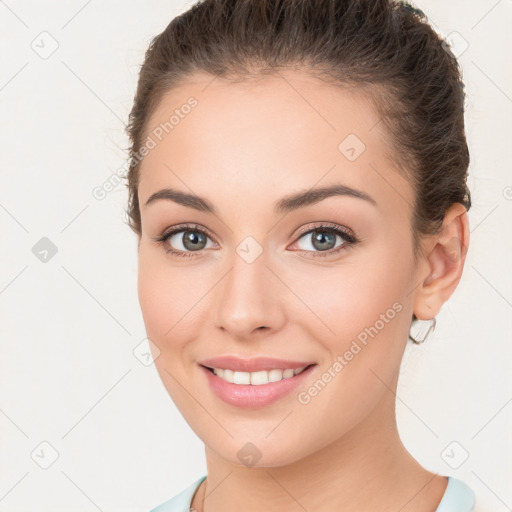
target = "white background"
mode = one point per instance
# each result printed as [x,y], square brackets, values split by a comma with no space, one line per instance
[68,327]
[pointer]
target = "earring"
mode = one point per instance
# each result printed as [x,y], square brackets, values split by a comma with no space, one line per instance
[419,338]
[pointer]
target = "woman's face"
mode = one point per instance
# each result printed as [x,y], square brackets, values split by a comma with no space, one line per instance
[259,282]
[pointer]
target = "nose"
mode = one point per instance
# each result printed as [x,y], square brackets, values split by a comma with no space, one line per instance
[249,300]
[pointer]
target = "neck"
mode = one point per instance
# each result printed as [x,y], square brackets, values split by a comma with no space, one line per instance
[365,470]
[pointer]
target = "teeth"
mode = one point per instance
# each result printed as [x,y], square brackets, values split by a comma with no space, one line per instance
[256,378]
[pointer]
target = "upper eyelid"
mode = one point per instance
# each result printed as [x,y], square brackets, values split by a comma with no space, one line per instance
[326,226]
[186,227]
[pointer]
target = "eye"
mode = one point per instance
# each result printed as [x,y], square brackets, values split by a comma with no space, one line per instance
[184,241]
[321,240]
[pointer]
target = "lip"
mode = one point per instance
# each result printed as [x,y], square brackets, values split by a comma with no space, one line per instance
[249,396]
[252,365]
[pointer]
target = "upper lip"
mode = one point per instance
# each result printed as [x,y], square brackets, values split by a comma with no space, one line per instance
[252,365]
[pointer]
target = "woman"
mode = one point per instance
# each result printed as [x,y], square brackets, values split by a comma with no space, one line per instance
[298,190]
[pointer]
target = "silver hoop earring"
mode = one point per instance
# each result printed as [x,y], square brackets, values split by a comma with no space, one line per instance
[423,332]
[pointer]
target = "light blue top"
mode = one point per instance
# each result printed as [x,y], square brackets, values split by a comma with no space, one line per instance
[458,497]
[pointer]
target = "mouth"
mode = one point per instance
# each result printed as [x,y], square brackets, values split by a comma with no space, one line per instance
[257,389]
[257,378]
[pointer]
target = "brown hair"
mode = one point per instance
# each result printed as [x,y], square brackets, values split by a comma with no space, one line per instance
[384,47]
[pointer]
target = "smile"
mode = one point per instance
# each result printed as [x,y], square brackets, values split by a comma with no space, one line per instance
[256,378]
[254,389]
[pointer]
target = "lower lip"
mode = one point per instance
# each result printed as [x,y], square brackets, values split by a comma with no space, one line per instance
[250,396]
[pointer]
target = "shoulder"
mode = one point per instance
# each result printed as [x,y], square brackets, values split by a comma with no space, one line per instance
[458,497]
[182,501]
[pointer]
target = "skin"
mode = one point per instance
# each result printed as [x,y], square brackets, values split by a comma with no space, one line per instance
[245,146]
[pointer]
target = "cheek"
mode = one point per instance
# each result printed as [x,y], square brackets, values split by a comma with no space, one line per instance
[162,297]
[151,290]
[173,301]
[360,310]
[352,294]
[351,298]
[362,306]
[161,293]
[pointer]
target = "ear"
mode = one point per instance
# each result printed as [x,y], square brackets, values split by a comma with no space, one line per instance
[445,254]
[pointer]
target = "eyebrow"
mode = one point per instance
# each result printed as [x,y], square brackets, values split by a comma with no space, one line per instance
[284,205]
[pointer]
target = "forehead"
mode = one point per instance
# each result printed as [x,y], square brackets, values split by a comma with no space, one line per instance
[284,131]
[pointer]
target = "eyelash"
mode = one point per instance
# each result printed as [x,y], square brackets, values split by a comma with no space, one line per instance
[350,239]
